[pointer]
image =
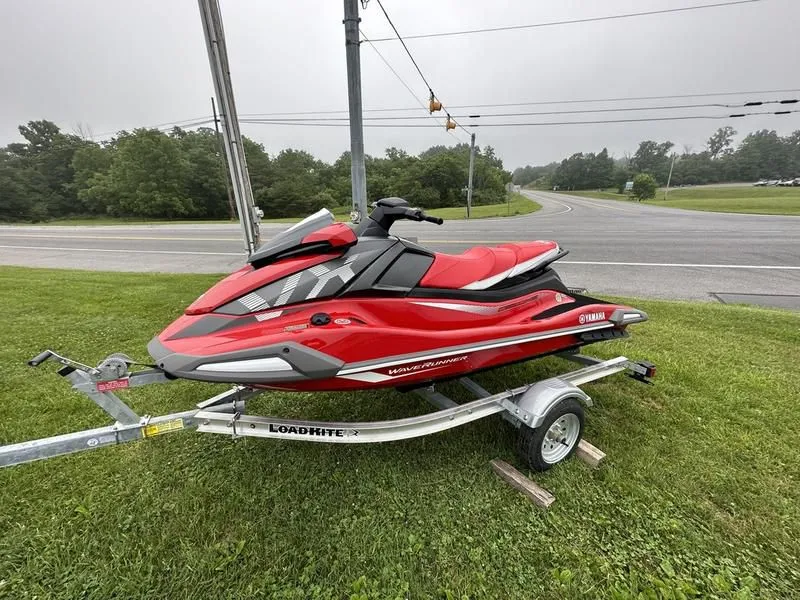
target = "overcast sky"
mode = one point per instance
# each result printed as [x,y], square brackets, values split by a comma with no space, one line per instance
[119,64]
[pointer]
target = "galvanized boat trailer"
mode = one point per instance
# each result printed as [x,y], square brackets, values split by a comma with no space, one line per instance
[548,413]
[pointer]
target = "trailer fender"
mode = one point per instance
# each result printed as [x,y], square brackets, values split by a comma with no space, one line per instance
[541,397]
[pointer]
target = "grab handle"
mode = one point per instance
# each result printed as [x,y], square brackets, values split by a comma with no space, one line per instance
[40,358]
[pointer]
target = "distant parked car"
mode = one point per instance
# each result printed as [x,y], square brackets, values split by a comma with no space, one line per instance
[786,182]
[773,182]
[796,182]
[761,183]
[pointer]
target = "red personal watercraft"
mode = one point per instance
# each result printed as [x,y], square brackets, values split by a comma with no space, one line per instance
[327,306]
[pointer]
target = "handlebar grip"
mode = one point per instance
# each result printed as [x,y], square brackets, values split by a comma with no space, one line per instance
[40,358]
[436,220]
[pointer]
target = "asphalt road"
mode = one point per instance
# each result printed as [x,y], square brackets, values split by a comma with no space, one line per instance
[615,248]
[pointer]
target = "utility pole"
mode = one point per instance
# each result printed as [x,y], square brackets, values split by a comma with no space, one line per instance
[234,149]
[471,170]
[357,168]
[669,178]
[231,206]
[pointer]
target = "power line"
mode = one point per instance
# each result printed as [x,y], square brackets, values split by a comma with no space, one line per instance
[314,124]
[184,125]
[554,112]
[405,85]
[205,119]
[391,68]
[614,110]
[629,99]
[169,125]
[527,124]
[416,66]
[569,21]
[534,103]
[197,121]
[164,127]
[397,33]
[645,120]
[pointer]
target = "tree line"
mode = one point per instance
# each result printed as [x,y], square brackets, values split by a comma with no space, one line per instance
[761,154]
[147,173]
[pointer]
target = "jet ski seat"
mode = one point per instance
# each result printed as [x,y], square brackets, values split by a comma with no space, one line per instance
[482,267]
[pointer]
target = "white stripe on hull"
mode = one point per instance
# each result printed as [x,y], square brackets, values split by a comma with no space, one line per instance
[473,348]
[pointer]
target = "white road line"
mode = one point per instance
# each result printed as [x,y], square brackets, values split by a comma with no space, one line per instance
[120,238]
[678,265]
[562,262]
[50,248]
[580,201]
[535,196]
[146,238]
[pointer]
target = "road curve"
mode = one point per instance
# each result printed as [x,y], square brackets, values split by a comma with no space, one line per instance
[673,253]
[615,248]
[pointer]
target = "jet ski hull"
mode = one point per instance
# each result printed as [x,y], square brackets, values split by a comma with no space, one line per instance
[363,343]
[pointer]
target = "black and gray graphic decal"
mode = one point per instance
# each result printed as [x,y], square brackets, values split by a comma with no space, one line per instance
[318,281]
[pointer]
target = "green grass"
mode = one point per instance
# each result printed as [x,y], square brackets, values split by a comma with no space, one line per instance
[102,221]
[699,496]
[340,216]
[519,205]
[97,221]
[608,194]
[736,199]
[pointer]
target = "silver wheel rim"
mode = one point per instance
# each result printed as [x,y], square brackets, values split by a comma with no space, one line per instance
[560,438]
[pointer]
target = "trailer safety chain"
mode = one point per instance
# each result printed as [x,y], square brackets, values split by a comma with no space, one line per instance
[232,421]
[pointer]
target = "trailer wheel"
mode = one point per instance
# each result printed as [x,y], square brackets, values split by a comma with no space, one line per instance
[555,439]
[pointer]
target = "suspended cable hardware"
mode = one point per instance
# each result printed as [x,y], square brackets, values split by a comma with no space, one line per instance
[555,112]
[533,103]
[435,103]
[405,85]
[528,124]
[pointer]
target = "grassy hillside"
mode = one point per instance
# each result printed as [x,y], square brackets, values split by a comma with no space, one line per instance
[518,205]
[738,199]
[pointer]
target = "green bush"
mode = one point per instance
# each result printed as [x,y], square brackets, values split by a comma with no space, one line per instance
[644,187]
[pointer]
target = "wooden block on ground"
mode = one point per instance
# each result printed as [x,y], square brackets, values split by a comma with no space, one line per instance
[538,495]
[589,454]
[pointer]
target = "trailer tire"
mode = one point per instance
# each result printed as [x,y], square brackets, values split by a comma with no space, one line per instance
[564,423]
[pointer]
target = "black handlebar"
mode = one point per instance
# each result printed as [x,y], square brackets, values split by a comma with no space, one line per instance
[389,210]
[417,214]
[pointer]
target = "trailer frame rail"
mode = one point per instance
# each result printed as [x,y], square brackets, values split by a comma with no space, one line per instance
[224,413]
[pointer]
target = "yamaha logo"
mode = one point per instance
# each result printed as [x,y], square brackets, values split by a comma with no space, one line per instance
[591,317]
